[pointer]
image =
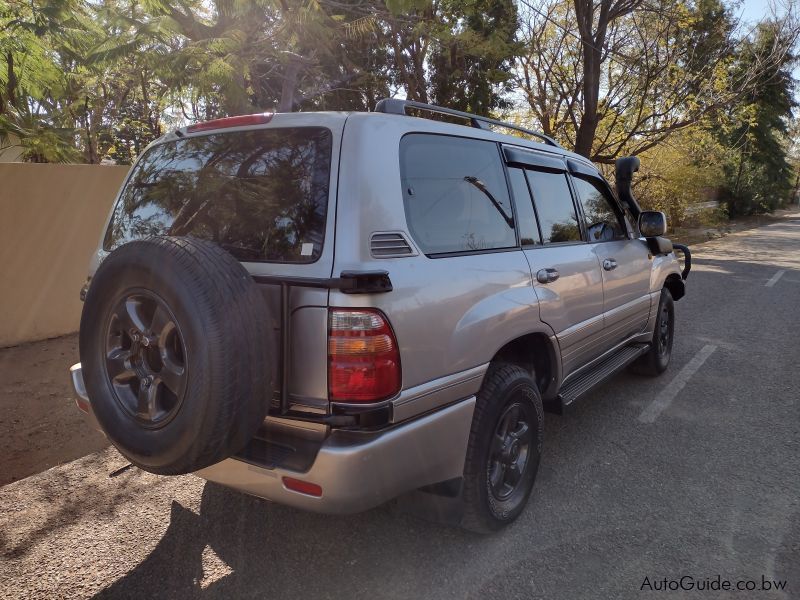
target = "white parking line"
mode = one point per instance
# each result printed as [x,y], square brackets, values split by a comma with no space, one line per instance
[774,279]
[667,395]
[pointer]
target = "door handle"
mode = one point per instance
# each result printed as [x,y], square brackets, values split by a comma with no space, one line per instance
[609,264]
[547,275]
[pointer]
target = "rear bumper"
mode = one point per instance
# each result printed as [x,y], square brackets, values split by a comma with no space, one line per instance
[356,471]
[81,397]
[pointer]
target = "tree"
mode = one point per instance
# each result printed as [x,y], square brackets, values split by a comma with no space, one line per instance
[35,40]
[759,174]
[458,54]
[594,21]
[99,79]
[664,66]
[683,171]
[471,60]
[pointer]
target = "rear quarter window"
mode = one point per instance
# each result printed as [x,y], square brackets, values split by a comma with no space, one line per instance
[262,195]
[455,194]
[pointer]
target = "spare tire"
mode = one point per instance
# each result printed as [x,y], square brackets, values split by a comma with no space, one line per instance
[177,352]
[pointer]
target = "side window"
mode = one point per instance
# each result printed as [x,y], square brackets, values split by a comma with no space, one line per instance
[603,223]
[526,217]
[553,199]
[455,194]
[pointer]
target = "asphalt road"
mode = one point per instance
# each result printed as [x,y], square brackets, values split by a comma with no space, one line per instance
[696,474]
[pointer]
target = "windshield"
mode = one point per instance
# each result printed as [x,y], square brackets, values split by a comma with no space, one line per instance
[262,195]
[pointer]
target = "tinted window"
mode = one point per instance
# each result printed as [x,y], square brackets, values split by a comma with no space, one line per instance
[557,217]
[455,194]
[262,195]
[602,221]
[526,218]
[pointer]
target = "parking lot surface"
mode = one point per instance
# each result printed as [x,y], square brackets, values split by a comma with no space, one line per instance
[694,475]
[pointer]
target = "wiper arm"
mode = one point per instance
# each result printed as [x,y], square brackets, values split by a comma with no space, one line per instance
[480,185]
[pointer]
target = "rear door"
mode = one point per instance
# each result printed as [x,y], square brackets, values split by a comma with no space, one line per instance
[566,271]
[468,292]
[625,259]
[265,194]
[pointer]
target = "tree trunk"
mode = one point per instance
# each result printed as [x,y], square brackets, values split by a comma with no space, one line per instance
[11,81]
[91,155]
[584,138]
[742,154]
[289,86]
[591,44]
[420,92]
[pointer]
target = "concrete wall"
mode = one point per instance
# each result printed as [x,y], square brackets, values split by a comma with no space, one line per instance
[51,218]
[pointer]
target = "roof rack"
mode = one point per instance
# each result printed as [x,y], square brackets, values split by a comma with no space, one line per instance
[396,106]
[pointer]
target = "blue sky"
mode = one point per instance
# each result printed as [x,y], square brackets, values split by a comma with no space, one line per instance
[753,10]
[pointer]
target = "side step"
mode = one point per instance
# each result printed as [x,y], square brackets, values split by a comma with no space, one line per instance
[576,386]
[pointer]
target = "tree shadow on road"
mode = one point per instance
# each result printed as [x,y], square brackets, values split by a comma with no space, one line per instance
[62,509]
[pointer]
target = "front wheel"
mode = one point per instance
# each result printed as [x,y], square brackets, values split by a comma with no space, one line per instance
[657,358]
[504,449]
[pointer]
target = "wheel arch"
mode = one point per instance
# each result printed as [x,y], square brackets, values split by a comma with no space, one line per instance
[537,353]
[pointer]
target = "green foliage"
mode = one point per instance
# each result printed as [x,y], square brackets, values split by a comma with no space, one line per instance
[401,7]
[470,66]
[758,175]
[683,172]
[37,40]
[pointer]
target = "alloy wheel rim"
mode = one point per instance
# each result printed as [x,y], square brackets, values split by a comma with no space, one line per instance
[663,333]
[145,358]
[509,452]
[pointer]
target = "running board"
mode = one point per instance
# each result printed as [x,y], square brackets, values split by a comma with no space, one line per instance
[575,387]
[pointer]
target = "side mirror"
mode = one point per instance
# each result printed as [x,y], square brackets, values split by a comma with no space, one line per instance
[652,223]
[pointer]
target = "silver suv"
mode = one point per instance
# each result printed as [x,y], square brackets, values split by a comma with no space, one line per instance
[332,310]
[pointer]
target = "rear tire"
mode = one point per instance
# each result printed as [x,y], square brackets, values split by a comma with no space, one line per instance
[504,450]
[177,351]
[656,360]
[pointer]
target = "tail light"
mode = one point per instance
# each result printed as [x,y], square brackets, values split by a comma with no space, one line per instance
[363,359]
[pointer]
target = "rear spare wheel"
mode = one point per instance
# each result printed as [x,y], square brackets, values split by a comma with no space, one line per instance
[177,352]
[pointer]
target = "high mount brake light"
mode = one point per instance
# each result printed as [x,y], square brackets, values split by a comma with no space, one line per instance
[363,357]
[240,121]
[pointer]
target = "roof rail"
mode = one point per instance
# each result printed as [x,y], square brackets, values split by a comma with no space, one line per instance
[396,106]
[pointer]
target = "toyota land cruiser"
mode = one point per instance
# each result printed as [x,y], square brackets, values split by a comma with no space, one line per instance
[330,310]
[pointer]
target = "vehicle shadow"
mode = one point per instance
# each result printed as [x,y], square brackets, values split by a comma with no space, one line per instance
[240,546]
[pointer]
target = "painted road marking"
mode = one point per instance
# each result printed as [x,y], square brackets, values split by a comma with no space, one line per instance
[775,278]
[667,395]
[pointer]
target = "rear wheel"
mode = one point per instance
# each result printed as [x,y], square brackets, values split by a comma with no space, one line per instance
[656,360]
[504,449]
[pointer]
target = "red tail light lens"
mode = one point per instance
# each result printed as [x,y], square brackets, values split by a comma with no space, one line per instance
[240,121]
[363,358]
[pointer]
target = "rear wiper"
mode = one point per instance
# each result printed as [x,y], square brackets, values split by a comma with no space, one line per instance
[482,187]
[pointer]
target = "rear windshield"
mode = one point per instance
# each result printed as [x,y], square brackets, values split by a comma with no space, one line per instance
[262,195]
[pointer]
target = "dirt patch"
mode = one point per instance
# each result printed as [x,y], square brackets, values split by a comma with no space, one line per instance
[40,427]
